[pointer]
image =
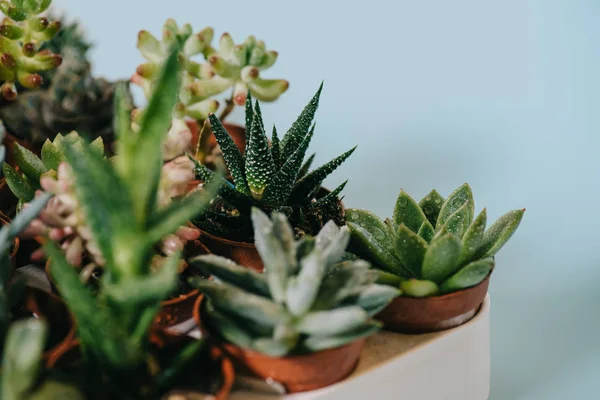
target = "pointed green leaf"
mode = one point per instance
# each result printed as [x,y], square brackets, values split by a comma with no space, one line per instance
[426,231]
[228,271]
[259,165]
[97,146]
[295,135]
[441,258]
[231,154]
[319,342]
[284,232]
[306,166]
[458,223]
[410,249]
[30,164]
[419,288]
[19,186]
[229,329]
[332,322]
[276,150]
[51,156]
[122,120]
[329,198]
[455,201]
[280,187]
[472,238]
[370,237]
[408,212]
[302,289]
[468,276]
[499,233]
[249,115]
[431,206]
[309,184]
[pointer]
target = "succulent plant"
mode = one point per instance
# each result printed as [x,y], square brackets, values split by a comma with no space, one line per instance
[21,36]
[432,247]
[11,292]
[306,300]
[198,84]
[21,366]
[119,200]
[272,176]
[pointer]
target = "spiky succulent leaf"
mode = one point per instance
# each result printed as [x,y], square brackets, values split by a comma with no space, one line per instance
[372,238]
[276,149]
[312,181]
[468,276]
[259,165]
[408,212]
[472,238]
[329,198]
[441,258]
[459,221]
[295,135]
[499,233]
[52,156]
[431,206]
[410,249]
[306,166]
[455,201]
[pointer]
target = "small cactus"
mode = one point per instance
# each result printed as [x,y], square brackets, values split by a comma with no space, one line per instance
[22,34]
[432,247]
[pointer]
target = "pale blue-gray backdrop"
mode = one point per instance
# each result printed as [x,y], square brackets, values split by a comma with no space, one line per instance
[501,94]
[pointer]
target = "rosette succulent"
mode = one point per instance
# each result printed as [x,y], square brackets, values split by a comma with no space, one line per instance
[432,247]
[22,34]
[306,300]
[273,176]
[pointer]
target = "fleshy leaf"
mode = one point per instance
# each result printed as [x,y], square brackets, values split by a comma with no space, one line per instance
[259,165]
[459,222]
[302,290]
[470,275]
[299,129]
[332,322]
[410,249]
[408,212]
[441,258]
[31,165]
[455,201]
[319,342]
[431,206]
[375,298]
[472,238]
[499,233]
[426,231]
[17,184]
[419,288]
[51,156]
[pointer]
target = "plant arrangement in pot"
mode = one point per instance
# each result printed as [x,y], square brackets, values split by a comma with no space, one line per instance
[273,176]
[230,66]
[303,322]
[437,252]
[20,372]
[122,356]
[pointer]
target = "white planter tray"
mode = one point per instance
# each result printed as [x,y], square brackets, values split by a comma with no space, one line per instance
[449,365]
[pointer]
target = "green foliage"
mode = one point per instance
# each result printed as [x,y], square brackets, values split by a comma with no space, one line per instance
[119,202]
[274,176]
[26,181]
[306,300]
[21,35]
[434,246]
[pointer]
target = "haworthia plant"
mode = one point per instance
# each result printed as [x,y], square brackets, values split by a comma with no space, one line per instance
[306,300]
[435,246]
[273,175]
[21,366]
[22,34]
[119,201]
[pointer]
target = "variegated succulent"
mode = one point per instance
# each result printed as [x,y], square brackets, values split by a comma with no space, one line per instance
[272,175]
[306,300]
[432,247]
[22,34]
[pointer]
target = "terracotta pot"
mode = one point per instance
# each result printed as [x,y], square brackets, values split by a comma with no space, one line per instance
[72,354]
[4,220]
[297,373]
[242,253]
[432,314]
[60,322]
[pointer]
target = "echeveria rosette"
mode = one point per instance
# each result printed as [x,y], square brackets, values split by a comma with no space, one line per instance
[241,65]
[273,175]
[21,36]
[432,247]
[199,82]
[306,300]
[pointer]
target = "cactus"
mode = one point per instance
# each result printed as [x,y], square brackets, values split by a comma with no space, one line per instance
[119,200]
[432,247]
[306,300]
[22,34]
[273,175]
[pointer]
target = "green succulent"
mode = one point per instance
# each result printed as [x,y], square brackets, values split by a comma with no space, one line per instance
[21,36]
[432,247]
[21,366]
[273,176]
[24,182]
[11,292]
[306,300]
[119,202]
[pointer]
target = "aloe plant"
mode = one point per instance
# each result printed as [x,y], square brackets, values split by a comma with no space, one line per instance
[272,175]
[306,300]
[21,366]
[120,204]
[432,247]
[21,36]
[11,292]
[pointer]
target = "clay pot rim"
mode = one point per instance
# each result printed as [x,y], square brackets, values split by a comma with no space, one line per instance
[17,241]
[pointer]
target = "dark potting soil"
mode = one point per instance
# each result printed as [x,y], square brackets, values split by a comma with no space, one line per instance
[56,333]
